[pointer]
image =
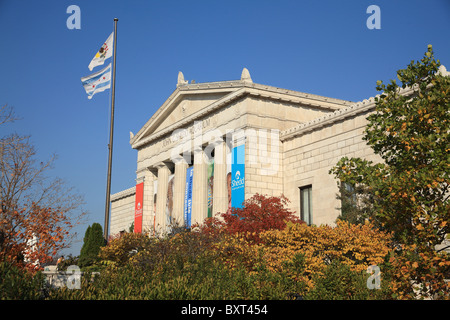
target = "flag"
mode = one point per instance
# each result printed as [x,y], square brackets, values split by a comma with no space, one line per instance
[104,53]
[97,82]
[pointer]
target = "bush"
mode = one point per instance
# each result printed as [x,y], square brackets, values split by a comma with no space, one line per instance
[339,282]
[121,248]
[20,284]
[228,260]
[163,270]
[357,246]
[259,213]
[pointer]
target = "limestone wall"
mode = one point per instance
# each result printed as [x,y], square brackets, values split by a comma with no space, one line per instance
[314,150]
[122,211]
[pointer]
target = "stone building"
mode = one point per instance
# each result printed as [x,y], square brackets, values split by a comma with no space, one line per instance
[212,145]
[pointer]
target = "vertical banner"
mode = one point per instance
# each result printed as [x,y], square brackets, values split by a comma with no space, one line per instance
[169,202]
[210,184]
[155,196]
[238,176]
[139,198]
[228,179]
[188,196]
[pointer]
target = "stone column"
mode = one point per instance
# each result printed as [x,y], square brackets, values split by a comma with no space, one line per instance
[220,203]
[199,193]
[179,192]
[163,182]
[148,213]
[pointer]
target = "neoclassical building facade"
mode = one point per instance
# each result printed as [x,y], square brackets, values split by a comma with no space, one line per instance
[212,145]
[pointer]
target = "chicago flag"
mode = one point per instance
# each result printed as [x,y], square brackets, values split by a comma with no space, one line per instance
[97,82]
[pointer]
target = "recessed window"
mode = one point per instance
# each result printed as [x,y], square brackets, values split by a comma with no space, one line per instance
[306,204]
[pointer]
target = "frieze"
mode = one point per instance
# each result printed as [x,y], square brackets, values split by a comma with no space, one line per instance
[180,134]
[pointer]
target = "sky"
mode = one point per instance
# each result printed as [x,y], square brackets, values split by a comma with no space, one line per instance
[320,47]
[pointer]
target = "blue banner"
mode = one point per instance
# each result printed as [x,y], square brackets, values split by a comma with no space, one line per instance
[238,176]
[188,197]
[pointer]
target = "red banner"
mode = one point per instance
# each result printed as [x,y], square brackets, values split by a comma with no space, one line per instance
[138,207]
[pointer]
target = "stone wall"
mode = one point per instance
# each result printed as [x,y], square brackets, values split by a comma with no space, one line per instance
[314,148]
[122,210]
[263,167]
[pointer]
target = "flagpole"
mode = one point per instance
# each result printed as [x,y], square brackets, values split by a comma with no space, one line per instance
[111,132]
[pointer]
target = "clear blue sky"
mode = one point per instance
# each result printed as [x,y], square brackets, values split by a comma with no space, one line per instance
[319,47]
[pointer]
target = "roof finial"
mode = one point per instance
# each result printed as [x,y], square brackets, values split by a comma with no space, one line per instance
[181,80]
[245,76]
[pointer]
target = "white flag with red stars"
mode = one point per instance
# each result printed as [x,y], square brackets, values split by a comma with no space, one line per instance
[97,82]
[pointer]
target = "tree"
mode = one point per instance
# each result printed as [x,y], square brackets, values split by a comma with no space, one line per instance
[259,213]
[36,212]
[411,134]
[85,241]
[410,131]
[356,203]
[93,241]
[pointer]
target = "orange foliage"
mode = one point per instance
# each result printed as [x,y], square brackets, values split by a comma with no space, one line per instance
[357,246]
[420,273]
[33,235]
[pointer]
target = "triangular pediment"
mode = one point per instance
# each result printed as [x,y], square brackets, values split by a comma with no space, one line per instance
[191,102]
[184,103]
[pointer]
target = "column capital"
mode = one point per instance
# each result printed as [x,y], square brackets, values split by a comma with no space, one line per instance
[162,164]
[140,179]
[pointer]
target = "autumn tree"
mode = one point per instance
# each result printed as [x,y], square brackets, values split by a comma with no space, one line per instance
[36,212]
[410,131]
[258,213]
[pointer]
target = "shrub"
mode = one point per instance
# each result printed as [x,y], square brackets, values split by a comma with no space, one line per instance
[180,275]
[357,246]
[259,213]
[418,273]
[121,248]
[20,284]
[339,282]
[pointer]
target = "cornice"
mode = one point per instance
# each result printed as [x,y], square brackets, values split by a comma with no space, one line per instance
[123,194]
[367,105]
[342,109]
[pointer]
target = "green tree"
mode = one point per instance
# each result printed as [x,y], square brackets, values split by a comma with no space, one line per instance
[410,131]
[93,241]
[356,203]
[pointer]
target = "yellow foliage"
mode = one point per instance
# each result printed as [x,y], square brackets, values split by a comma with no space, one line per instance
[357,246]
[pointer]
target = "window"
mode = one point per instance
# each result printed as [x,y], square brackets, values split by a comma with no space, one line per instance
[306,204]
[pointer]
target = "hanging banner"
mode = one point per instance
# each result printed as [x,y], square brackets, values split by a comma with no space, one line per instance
[155,196]
[228,179]
[169,202]
[210,184]
[139,198]
[238,176]
[188,196]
